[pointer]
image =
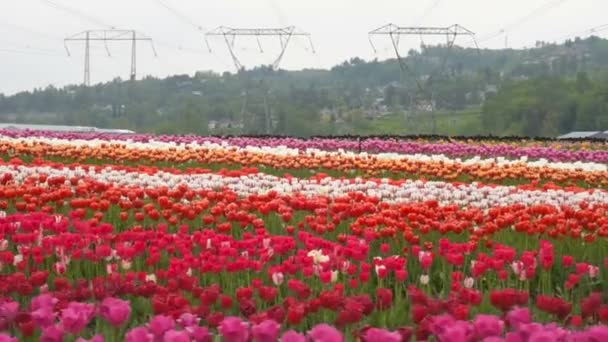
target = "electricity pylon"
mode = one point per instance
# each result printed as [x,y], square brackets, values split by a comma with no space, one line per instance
[424,92]
[284,35]
[106,36]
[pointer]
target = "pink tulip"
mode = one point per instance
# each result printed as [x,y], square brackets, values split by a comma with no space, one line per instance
[76,317]
[233,329]
[43,317]
[381,335]
[188,320]
[292,336]
[115,311]
[161,324]
[9,310]
[325,333]
[7,338]
[199,334]
[176,336]
[139,335]
[267,331]
[43,301]
[52,333]
[488,325]
[96,338]
[519,316]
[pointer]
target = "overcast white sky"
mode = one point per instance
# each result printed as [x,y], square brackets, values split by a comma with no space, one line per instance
[32,31]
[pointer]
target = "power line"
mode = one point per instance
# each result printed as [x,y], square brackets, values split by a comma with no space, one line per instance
[29,47]
[26,52]
[76,13]
[535,13]
[30,31]
[591,31]
[428,11]
[180,15]
[278,12]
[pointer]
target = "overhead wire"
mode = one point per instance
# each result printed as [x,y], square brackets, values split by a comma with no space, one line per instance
[432,6]
[29,47]
[591,31]
[30,52]
[30,31]
[180,15]
[284,22]
[76,13]
[188,21]
[539,11]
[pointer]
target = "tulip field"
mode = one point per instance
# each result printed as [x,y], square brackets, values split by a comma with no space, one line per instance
[173,238]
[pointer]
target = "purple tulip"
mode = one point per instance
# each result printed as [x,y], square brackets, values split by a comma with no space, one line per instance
[115,311]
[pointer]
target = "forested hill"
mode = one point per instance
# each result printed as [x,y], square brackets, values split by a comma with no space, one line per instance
[348,97]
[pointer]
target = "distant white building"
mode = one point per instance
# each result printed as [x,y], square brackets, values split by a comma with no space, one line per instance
[58,128]
[582,135]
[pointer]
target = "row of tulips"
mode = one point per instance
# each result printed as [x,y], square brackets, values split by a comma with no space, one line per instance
[441,167]
[51,323]
[115,196]
[552,151]
[249,182]
[285,151]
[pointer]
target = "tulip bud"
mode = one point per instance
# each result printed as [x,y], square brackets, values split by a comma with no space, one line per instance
[334,276]
[60,268]
[594,271]
[277,278]
[126,264]
[151,277]
[424,279]
[17,259]
[469,282]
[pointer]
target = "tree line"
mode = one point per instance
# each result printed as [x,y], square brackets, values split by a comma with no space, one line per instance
[544,90]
